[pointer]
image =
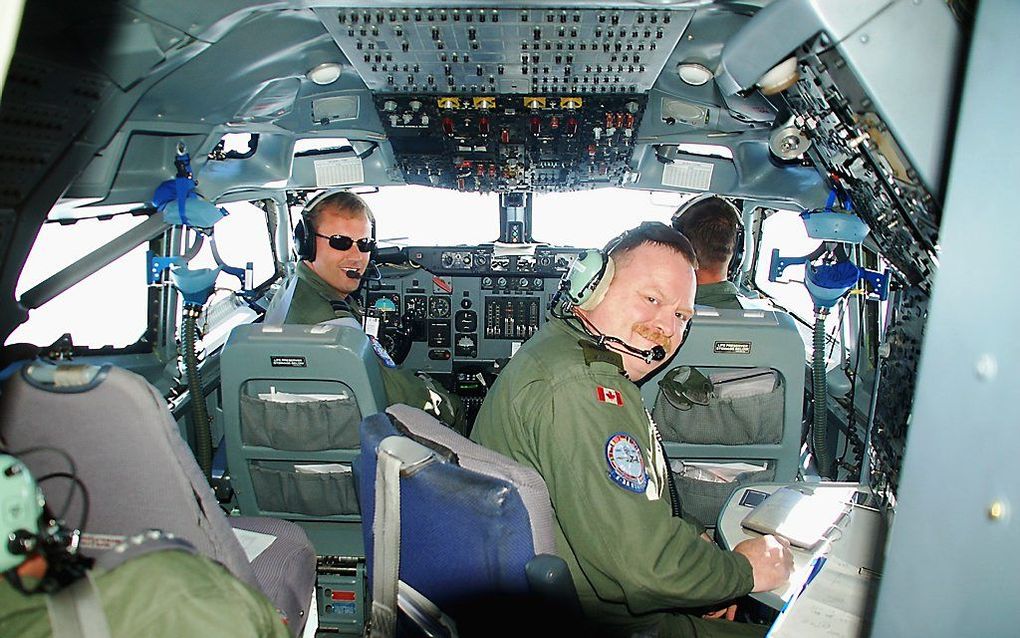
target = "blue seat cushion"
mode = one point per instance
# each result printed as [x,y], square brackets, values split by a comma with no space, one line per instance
[464,535]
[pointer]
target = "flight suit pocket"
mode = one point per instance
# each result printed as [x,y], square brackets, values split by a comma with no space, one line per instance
[302,425]
[314,490]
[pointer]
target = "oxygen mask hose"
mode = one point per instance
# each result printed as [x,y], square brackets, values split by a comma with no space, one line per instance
[819,390]
[199,413]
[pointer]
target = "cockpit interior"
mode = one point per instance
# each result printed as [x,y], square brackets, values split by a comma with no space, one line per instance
[157,158]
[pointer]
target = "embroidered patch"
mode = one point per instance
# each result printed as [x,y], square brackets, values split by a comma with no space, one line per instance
[609,395]
[380,352]
[626,462]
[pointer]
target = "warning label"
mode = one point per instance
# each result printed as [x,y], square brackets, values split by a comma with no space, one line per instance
[288,362]
[732,347]
[100,542]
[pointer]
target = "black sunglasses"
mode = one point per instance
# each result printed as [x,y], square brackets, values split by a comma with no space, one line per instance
[343,242]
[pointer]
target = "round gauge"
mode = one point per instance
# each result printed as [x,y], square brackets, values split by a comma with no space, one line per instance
[439,306]
[501,282]
[415,307]
[486,282]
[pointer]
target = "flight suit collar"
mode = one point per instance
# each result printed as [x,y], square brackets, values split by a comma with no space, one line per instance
[312,278]
[319,285]
[593,353]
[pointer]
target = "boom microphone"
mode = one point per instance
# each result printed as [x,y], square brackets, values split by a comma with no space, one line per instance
[658,353]
[353,273]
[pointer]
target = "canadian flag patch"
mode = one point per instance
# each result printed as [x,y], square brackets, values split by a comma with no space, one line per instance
[609,395]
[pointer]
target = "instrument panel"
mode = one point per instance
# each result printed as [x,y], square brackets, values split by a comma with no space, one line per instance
[459,313]
[855,147]
[464,304]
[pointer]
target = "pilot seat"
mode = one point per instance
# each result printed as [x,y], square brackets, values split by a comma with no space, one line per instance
[729,406]
[455,531]
[123,444]
[293,396]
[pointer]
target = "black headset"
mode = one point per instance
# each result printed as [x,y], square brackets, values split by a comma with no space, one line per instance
[737,258]
[304,234]
[304,240]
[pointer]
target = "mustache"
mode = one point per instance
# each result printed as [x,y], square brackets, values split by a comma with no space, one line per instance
[653,335]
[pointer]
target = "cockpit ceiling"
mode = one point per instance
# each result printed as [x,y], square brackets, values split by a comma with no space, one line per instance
[506,50]
[492,97]
[509,99]
[484,98]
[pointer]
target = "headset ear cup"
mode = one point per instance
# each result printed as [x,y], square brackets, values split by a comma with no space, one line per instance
[737,257]
[687,331]
[601,288]
[304,242]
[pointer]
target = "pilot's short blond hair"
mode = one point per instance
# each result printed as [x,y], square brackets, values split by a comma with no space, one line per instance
[341,203]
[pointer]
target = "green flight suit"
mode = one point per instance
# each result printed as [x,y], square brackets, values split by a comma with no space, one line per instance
[312,303]
[164,594]
[564,407]
[718,295]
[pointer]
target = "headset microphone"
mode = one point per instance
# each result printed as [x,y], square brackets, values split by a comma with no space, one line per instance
[353,273]
[658,353]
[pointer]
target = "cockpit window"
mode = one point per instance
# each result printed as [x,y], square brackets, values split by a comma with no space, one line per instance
[422,216]
[235,146]
[316,145]
[784,230]
[107,309]
[592,218]
[241,237]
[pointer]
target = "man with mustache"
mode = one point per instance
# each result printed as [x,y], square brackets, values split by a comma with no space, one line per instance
[339,226]
[567,405]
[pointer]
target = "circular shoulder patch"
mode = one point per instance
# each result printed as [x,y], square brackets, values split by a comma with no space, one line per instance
[380,352]
[626,462]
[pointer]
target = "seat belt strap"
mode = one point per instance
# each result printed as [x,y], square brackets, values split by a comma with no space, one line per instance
[386,552]
[77,612]
[276,315]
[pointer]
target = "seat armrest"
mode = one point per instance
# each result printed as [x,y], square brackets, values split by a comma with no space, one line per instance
[426,619]
[549,577]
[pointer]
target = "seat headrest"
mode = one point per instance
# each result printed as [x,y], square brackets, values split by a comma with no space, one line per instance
[64,377]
